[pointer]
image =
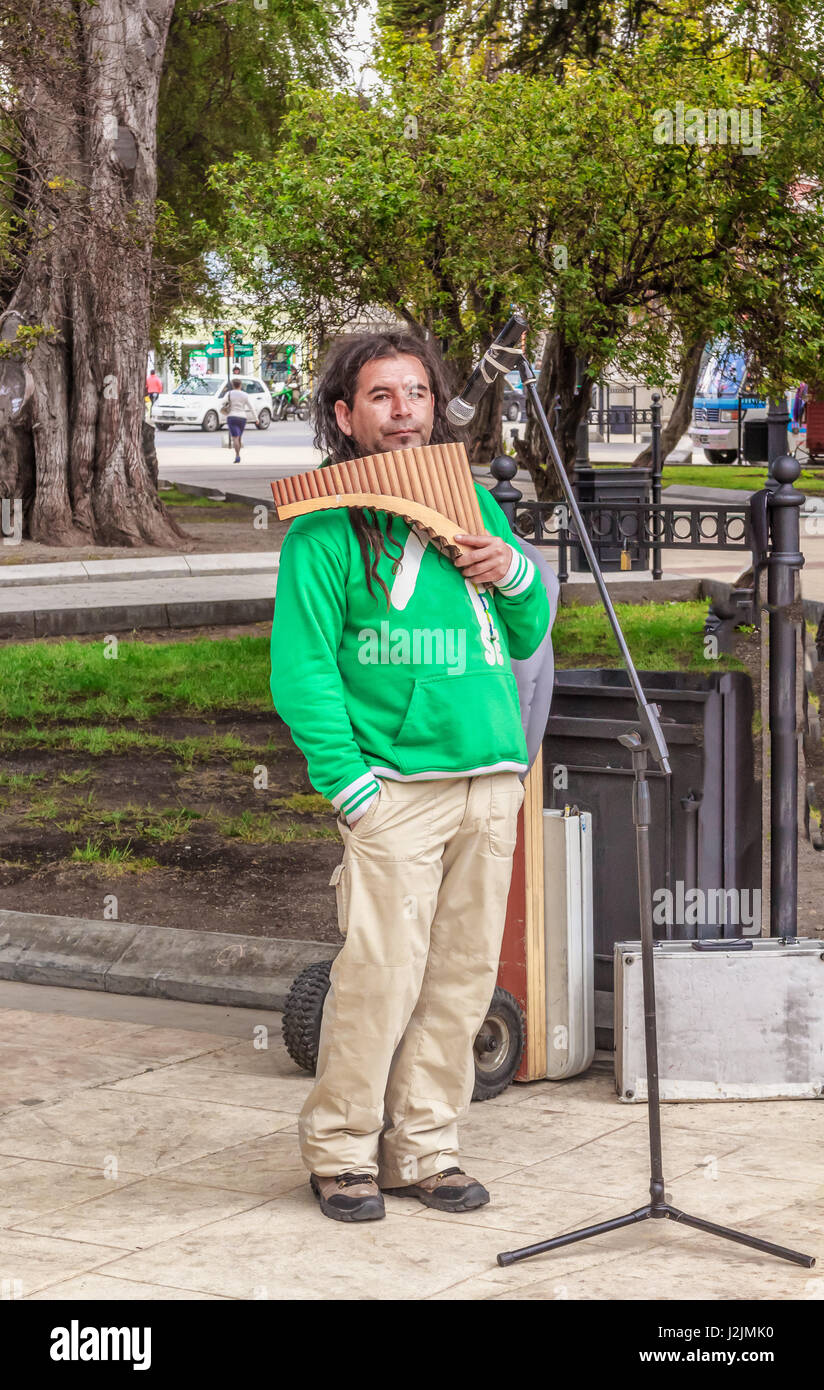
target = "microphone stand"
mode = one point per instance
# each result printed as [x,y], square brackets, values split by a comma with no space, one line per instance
[646,739]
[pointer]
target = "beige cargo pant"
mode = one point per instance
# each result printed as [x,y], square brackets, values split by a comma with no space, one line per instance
[421,897]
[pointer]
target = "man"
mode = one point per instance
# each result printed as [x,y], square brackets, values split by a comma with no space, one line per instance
[237,409]
[154,386]
[292,384]
[392,669]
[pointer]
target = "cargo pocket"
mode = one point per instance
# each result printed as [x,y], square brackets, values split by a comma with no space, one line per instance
[505,802]
[338,882]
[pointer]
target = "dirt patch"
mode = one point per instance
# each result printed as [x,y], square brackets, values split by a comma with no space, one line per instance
[205,824]
[229,856]
[209,531]
[162,634]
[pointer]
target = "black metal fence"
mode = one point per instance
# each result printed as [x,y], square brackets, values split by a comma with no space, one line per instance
[617,417]
[637,527]
[630,525]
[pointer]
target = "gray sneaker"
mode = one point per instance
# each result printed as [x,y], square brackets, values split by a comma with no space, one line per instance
[349,1196]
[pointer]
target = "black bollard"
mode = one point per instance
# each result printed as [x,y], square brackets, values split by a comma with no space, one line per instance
[778,418]
[785,560]
[504,469]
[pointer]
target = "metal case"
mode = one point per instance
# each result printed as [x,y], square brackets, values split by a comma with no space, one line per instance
[570,984]
[736,1020]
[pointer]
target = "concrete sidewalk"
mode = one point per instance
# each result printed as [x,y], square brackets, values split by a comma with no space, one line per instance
[148,1151]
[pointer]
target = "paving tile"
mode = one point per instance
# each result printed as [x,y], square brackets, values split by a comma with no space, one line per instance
[102,1288]
[525,1134]
[122,1131]
[26,1027]
[268,1166]
[593,1092]
[798,1119]
[246,1058]
[212,1201]
[171,1045]
[803,1217]
[141,1214]
[800,1162]
[601,1249]
[64,1033]
[730,1197]
[31,1189]
[287,1249]
[29,1075]
[515,1207]
[473,1290]
[201,1081]
[684,1270]
[29,1263]
[617,1164]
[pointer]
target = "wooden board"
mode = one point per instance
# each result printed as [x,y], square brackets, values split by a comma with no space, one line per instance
[522,967]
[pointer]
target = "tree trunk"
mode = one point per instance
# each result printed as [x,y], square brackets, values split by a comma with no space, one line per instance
[87,117]
[682,410]
[557,380]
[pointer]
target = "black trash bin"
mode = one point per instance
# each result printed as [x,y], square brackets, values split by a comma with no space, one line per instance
[609,532]
[756,441]
[620,419]
[705,832]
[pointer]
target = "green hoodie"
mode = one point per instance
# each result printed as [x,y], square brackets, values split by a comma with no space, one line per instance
[422,690]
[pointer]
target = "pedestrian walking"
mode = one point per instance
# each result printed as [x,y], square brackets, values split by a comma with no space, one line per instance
[154,386]
[236,409]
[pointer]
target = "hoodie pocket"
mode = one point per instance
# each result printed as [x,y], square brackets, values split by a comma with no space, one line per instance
[455,723]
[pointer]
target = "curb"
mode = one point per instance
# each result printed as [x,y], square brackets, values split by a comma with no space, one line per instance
[638,590]
[82,572]
[158,962]
[71,622]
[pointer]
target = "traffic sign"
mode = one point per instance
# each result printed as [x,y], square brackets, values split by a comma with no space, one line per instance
[214,351]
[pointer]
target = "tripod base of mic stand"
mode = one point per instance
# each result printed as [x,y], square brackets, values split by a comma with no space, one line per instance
[656,1211]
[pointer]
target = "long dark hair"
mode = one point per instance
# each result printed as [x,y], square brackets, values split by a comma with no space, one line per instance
[338,382]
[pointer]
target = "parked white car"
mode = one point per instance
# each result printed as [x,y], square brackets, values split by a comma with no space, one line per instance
[196,401]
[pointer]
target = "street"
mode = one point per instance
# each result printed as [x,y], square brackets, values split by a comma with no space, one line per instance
[280,434]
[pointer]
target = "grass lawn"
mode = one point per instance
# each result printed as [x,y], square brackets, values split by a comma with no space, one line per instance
[173,497]
[45,684]
[748,479]
[162,775]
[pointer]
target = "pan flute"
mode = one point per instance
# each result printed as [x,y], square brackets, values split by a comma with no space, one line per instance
[431,488]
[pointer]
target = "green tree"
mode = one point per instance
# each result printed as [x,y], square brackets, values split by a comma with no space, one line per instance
[80,87]
[449,197]
[226,73]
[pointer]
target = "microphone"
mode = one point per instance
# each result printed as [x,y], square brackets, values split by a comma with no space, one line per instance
[497,359]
